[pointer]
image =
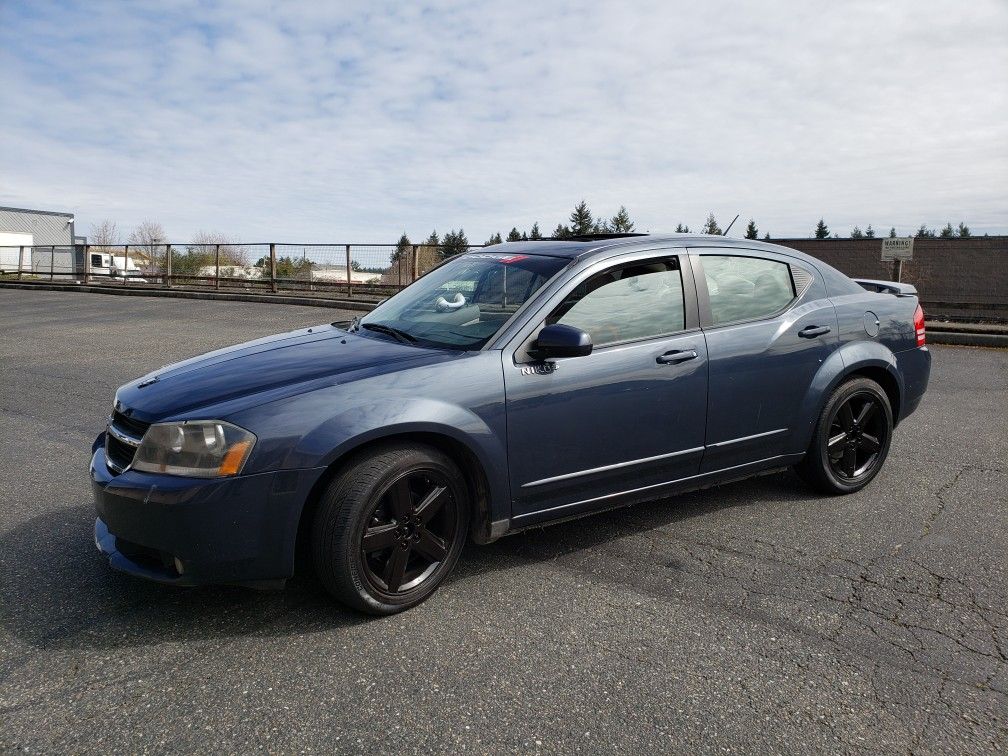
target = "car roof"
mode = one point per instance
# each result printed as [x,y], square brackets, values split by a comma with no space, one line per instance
[577,249]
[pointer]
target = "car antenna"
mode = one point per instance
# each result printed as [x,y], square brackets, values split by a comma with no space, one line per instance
[725,232]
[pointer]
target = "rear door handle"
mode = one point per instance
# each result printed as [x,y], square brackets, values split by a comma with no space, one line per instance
[810,332]
[676,355]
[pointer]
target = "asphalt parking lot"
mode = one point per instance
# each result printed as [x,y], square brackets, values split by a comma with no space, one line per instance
[753,617]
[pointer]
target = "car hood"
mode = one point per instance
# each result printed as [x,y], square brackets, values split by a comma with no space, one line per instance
[269,369]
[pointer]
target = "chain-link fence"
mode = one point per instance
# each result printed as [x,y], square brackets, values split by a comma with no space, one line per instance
[367,271]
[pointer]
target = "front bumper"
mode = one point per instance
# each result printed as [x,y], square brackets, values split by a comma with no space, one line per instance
[189,531]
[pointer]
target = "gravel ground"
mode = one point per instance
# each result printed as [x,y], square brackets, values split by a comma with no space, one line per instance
[753,617]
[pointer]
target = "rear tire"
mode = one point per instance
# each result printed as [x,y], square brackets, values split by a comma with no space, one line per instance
[390,528]
[851,440]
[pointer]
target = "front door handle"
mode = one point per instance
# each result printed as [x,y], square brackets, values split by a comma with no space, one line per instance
[676,355]
[810,332]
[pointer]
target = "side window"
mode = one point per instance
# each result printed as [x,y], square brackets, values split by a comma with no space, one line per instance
[96,261]
[636,301]
[746,288]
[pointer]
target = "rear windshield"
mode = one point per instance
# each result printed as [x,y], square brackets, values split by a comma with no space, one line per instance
[463,303]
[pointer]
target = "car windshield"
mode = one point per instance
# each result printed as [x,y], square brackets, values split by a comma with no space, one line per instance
[464,302]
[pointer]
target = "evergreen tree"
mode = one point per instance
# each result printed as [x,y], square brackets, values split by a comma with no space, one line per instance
[963,230]
[924,232]
[581,222]
[514,235]
[433,240]
[948,232]
[403,248]
[621,223]
[524,236]
[494,239]
[766,236]
[751,232]
[856,233]
[869,232]
[454,243]
[561,232]
[681,229]
[535,234]
[711,226]
[892,232]
[601,226]
[821,231]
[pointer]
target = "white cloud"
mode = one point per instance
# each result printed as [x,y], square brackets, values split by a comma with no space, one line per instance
[313,122]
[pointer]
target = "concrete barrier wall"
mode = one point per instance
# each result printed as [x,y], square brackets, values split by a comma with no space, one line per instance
[956,278]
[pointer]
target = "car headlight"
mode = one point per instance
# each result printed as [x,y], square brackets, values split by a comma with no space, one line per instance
[194,448]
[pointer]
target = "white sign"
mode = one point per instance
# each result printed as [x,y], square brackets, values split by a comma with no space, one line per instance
[898,248]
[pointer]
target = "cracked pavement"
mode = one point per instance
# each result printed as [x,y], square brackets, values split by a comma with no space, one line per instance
[754,617]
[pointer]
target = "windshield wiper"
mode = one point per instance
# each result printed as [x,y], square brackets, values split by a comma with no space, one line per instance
[392,331]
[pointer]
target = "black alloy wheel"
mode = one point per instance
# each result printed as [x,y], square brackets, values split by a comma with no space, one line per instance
[409,531]
[851,438]
[390,527]
[857,430]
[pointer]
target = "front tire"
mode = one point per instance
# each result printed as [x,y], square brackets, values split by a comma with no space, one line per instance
[390,528]
[852,438]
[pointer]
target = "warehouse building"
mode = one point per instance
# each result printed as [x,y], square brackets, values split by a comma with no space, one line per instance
[36,227]
[23,234]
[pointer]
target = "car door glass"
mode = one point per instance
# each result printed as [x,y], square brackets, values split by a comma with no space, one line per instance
[636,301]
[746,288]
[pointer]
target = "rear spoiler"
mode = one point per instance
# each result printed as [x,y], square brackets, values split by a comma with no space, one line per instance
[887,287]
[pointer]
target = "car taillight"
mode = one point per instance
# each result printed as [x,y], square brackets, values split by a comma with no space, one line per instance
[919,325]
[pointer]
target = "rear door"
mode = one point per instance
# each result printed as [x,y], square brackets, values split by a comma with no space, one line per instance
[768,328]
[587,432]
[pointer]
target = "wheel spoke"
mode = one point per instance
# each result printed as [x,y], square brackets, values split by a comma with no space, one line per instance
[836,440]
[379,537]
[395,569]
[846,417]
[866,412]
[432,503]
[431,546]
[401,499]
[849,461]
[870,443]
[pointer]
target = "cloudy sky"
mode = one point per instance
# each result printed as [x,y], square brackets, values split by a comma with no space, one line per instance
[353,122]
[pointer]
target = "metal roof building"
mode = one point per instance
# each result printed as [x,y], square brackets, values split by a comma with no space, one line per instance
[45,226]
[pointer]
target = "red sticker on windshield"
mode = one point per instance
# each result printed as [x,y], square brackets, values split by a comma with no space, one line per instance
[512,258]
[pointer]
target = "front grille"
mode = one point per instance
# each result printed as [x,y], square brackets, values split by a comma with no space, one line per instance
[128,424]
[122,437]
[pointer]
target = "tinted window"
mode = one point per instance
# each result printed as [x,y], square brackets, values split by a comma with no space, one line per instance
[635,301]
[96,261]
[745,288]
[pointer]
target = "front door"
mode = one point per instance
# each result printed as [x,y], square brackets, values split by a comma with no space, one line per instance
[589,432]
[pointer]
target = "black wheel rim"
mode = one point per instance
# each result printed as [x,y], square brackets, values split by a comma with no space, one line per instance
[857,435]
[410,532]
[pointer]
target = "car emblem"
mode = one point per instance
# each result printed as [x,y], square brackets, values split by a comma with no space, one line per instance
[539,368]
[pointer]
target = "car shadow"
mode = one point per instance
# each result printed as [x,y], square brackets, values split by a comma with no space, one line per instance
[58,592]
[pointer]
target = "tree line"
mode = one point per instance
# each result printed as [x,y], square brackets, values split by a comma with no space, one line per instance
[821,231]
[582,222]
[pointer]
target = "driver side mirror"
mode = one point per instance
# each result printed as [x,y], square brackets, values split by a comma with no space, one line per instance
[560,340]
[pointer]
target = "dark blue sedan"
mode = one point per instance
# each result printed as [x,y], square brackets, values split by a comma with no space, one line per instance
[510,387]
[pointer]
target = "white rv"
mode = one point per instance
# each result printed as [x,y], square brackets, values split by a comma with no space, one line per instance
[115,266]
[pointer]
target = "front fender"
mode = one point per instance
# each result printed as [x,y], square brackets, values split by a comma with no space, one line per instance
[341,434]
[846,359]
